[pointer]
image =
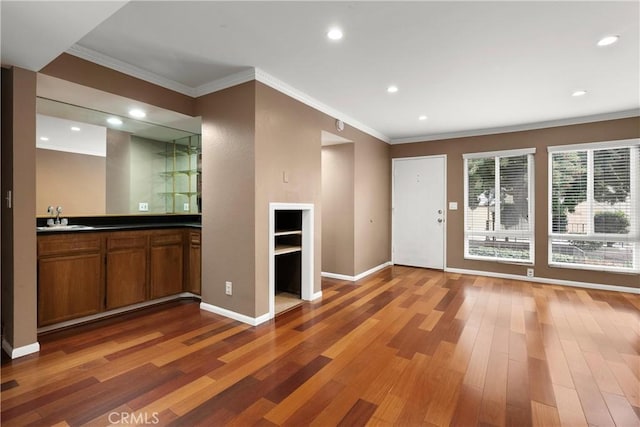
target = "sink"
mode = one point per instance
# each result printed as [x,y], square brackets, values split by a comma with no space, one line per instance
[65,227]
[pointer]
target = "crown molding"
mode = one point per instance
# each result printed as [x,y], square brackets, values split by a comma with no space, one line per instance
[220,84]
[226,82]
[518,128]
[298,95]
[131,70]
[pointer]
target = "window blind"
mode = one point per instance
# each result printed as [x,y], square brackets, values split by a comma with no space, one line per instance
[594,217]
[499,206]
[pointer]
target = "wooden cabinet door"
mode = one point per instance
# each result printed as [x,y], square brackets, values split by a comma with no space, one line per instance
[126,269]
[167,257]
[193,283]
[68,287]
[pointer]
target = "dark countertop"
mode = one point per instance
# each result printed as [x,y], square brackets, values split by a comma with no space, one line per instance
[117,223]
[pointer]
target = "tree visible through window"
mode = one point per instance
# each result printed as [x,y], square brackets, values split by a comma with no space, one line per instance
[594,208]
[498,206]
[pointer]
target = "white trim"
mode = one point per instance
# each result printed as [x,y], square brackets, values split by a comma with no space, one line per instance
[298,95]
[226,82]
[316,295]
[307,267]
[622,143]
[338,276]
[130,70]
[253,321]
[115,311]
[519,128]
[25,350]
[358,276]
[547,281]
[501,153]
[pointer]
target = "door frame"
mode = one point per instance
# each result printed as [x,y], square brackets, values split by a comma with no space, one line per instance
[445,209]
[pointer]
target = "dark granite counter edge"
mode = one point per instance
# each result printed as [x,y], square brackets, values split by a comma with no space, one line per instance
[126,222]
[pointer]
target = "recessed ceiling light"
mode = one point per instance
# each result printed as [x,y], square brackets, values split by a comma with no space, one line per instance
[335,34]
[392,89]
[579,93]
[137,113]
[75,128]
[608,40]
[423,117]
[114,121]
[44,138]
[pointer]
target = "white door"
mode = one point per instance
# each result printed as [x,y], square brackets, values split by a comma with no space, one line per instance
[419,211]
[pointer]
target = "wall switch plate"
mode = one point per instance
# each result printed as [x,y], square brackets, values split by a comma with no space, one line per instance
[185,207]
[228,288]
[143,207]
[285,176]
[453,206]
[529,272]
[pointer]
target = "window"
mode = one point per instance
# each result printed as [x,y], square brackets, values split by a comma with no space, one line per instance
[593,206]
[498,210]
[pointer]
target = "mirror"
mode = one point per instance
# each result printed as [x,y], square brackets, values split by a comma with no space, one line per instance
[93,163]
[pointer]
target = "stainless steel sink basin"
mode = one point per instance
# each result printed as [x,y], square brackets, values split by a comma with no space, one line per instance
[65,227]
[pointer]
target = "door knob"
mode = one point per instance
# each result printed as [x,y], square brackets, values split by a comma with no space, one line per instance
[440,211]
[440,220]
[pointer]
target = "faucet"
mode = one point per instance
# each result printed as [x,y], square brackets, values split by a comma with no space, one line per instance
[58,212]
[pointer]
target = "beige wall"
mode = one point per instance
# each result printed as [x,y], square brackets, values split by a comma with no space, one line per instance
[80,71]
[372,220]
[539,139]
[228,197]
[338,209]
[77,182]
[19,314]
[287,140]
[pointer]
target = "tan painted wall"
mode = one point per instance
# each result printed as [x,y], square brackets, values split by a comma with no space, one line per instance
[19,314]
[228,197]
[338,209]
[80,71]
[287,139]
[77,182]
[372,221]
[540,139]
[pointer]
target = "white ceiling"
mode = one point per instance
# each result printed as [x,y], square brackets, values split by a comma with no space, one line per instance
[471,67]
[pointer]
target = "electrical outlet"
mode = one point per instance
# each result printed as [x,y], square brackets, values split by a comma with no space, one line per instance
[143,207]
[529,272]
[185,207]
[228,288]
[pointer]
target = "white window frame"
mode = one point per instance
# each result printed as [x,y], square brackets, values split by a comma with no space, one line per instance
[590,235]
[501,234]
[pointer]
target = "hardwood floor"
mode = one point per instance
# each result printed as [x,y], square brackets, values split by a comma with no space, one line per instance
[402,347]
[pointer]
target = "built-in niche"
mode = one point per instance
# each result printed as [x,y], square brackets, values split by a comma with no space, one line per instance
[290,255]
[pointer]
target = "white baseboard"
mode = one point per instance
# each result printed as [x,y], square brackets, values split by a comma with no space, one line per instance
[115,311]
[357,277]
[316,296]
[253,321]
[545,280]
[14,353]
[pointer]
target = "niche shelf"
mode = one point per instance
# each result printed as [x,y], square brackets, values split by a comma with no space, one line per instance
[182,175]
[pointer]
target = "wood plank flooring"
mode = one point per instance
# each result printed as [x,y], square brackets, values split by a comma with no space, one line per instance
[405,346]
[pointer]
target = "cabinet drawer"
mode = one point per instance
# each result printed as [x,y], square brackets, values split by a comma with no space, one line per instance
[158,239]
[126,241]
[194,237]
[69,244]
